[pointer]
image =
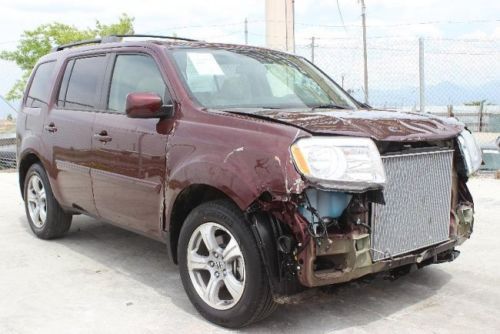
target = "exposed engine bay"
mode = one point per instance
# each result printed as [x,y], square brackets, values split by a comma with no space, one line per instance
[326,237]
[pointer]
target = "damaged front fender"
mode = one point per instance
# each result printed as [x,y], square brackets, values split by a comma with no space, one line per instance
[255,162]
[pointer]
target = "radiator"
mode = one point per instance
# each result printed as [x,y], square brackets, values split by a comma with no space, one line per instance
[417,209]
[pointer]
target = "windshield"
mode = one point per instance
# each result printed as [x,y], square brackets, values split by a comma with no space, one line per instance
[242,78]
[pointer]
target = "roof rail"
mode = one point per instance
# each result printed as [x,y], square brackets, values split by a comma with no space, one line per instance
[70,45]
[116,38]
[157,36]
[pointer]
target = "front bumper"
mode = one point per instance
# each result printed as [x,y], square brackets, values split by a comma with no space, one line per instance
[358,263]
[352,253]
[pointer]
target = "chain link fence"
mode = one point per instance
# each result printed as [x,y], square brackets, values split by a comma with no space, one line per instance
[460,78]
[7,152]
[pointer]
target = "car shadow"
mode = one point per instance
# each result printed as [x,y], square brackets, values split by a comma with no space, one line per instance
[357,303]
[324,309]
[140,258]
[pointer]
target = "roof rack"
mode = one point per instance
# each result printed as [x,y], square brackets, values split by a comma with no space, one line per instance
[116,38]
[70,45]
[156,36]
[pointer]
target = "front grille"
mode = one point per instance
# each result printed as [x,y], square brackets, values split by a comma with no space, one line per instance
[417,196]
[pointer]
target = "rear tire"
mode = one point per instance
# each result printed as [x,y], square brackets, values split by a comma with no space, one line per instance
[216,245]
[46,217]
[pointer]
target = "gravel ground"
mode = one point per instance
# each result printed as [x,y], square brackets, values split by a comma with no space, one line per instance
[101,279]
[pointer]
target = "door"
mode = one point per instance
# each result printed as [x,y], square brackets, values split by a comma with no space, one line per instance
[129,154]
[68,130]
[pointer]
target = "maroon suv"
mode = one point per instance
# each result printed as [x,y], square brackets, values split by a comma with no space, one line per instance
[261,174]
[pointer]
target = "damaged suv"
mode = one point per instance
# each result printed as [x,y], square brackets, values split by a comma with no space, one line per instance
[261,175]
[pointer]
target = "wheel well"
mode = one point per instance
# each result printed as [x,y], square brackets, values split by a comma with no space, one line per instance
[24,165]
[186,201]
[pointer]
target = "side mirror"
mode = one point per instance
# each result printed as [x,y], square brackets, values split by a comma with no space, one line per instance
[147,105]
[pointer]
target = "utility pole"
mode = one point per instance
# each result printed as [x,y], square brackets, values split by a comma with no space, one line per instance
[246,31]
[293,24]
[312,49]
[365,53]
[421,73]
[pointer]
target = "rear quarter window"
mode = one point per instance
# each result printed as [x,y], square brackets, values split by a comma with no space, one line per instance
[81,83]
[38,93]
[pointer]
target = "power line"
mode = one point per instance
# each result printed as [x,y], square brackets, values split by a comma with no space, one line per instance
[409,51]
[395,24]
[341,16]
[7,103]
[207,25]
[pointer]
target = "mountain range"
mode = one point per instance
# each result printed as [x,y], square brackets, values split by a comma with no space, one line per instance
[441,94]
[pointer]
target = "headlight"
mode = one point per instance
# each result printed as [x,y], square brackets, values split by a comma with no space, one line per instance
[471,152]
[343,163]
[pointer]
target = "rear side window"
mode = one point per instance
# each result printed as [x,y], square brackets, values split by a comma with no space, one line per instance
[38,94]
[134,73]
[81,83]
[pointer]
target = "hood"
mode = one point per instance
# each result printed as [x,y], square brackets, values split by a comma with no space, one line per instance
[380,125]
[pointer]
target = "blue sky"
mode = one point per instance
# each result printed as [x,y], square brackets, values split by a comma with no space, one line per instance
[222,20]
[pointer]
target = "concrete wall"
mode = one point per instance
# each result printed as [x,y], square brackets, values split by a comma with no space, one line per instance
[280,25]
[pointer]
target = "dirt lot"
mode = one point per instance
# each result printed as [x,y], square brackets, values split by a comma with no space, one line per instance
[100,279]
[7,126]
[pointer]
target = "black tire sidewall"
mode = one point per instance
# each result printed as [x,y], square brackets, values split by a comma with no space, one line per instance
[246,307]
[44,231]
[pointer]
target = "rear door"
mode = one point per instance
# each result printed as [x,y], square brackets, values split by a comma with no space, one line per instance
[129,154]
[68,130]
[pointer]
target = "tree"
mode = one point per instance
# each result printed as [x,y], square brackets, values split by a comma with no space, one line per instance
[39,41]
[9,118]
[478,103]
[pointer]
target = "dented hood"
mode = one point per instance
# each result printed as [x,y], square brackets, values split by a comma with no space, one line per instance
[381,125]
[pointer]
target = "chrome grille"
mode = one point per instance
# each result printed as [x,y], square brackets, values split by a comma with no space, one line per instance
[417,209]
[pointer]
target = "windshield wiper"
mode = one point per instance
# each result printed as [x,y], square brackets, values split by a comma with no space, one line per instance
[329,106]
[270,107]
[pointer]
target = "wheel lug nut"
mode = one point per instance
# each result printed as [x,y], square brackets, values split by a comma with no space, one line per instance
[217,274]
[211,263]
[216,255]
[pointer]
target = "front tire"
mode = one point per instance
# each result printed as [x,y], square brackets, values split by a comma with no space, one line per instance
[46,217]
[221,267]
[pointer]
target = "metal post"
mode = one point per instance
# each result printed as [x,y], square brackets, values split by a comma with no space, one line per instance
[286,25]
[450,111]
[312,49]
[293,24]
[246,31]
[365,52]
[421,73]
[481,112]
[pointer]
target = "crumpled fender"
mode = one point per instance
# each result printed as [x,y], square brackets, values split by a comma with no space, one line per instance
[207,170]
[243,163]
[240,180]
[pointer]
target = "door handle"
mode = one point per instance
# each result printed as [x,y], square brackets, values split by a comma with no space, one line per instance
[51,127]
[103,137]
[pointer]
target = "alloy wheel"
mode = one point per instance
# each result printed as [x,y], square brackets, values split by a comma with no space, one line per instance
[37,201]
[216,266]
